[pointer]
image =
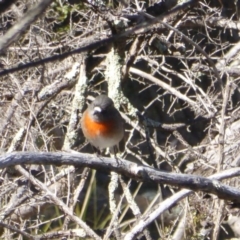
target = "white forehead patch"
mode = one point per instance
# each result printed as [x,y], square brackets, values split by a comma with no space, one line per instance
[97,109]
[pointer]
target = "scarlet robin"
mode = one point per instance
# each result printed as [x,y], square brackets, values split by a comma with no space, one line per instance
[102,124]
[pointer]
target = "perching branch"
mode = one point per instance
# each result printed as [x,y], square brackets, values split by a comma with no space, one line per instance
[127,168]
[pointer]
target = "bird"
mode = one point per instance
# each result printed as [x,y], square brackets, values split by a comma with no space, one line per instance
[102,124]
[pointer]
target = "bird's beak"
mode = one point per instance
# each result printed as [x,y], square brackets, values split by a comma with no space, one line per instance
[97,110]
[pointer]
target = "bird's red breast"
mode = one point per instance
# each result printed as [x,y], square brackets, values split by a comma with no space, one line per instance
[93,129]
[102,124]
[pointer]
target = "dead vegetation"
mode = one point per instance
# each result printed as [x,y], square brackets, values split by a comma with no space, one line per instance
[172,69]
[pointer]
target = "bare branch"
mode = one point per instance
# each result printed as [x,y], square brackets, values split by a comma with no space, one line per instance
[139,29]
[146,219]
[165,86]
[23,24]
[14,229]
[58,202]
[142,173]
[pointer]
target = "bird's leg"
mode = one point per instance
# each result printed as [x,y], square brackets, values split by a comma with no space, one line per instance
[96,151]
[113,151]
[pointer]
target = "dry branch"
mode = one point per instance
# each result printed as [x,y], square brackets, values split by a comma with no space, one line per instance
[132,170]
[146,219]
[23,24]
[59,203]
[165,86]
[139,29]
